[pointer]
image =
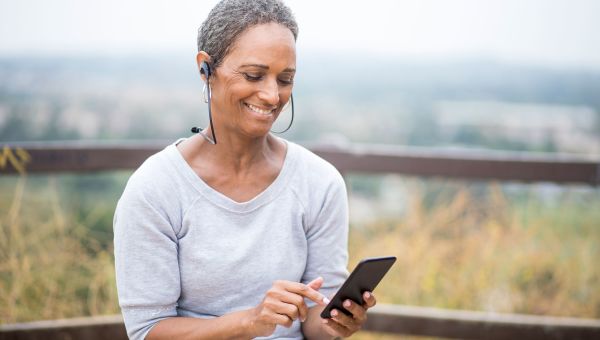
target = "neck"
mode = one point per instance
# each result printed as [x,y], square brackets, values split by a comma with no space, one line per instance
[236,152]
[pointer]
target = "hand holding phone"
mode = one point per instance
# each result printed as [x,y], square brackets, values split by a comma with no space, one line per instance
[365,277]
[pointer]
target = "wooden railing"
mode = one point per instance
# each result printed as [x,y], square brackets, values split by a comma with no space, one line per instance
[392,319]
[24,158]
[504,166]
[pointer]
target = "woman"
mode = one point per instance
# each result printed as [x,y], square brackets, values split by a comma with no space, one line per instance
[245,237]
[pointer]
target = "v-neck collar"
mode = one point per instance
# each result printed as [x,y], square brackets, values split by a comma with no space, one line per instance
[225,202]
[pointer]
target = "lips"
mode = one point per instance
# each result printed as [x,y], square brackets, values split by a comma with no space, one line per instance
[258,110]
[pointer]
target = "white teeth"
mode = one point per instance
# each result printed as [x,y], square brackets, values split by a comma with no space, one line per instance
[257,110]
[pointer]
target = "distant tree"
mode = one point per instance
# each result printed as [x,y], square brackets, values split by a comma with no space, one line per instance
[549,145]
[470,135]
[15,128]
[424,129]
[54,129]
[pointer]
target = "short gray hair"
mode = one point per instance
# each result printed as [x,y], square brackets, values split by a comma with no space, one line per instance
[229,18]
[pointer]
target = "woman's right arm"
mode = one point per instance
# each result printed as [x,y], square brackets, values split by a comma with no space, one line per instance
[282,304]
[231,326]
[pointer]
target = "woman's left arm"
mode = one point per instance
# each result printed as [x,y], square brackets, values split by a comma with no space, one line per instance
[327,257]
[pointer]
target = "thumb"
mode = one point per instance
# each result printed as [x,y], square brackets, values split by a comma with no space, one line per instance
[316,283]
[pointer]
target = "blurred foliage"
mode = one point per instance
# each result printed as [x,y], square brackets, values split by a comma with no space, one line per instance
[56,246]
[479,246]
[485,252]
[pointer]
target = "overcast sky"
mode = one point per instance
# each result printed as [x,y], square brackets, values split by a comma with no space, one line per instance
[550,32]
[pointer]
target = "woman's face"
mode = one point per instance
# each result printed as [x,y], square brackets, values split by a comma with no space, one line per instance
[255,80]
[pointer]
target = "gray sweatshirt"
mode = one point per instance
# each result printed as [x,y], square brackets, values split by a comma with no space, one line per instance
[184,249]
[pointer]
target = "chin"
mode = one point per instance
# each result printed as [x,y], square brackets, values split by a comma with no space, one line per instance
[260,132]
[259,128]
[253,129]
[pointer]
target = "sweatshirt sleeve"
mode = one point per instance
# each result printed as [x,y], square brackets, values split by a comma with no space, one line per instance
[327,238]
[146,260]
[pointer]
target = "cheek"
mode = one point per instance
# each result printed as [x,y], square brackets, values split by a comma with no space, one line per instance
[237,92]
[230,90]
[284,95]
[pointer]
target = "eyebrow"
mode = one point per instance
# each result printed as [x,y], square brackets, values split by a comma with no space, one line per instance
[265,67]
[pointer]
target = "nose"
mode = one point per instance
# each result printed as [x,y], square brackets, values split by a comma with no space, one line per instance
[269,92]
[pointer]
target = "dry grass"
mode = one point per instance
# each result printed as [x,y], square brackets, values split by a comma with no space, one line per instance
[483,253]
[457,248]
[49,265]
[488,253]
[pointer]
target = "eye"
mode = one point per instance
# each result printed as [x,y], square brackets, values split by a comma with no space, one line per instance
[287,80]
[252,77]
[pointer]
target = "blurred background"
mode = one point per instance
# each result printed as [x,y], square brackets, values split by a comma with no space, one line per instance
[492,75]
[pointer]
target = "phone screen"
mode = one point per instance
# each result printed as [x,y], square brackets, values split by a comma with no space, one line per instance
[365,277]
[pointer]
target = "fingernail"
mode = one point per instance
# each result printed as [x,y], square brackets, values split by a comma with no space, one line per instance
[347,303]
[326,300]
[334,312]
[367,295]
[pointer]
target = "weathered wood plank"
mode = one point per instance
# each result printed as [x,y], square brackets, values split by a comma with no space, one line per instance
[74,156]
[394,319]
[456,324]
[93,156]
[471,165]
[92,328]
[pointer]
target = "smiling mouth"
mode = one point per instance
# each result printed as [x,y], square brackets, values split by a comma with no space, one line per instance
[259,110]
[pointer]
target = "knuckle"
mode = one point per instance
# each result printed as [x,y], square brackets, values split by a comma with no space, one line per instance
[269,303]
[281,320]
[264,316]
[298,300]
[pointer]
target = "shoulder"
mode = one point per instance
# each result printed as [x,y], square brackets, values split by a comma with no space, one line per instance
[154,189]
[157,183]
[316,169]
[322,189]
[316,181]
[153,175]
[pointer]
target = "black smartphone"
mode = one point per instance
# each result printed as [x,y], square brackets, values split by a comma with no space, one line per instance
[365,277]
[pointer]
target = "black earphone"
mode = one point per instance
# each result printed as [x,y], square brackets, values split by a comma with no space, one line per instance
[205,69]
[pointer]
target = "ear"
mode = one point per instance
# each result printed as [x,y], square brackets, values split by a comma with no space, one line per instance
[202,57]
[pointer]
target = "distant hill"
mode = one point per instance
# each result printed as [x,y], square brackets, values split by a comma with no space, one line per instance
[379,100]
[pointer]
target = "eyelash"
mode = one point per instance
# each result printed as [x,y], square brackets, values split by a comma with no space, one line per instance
[252,78]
